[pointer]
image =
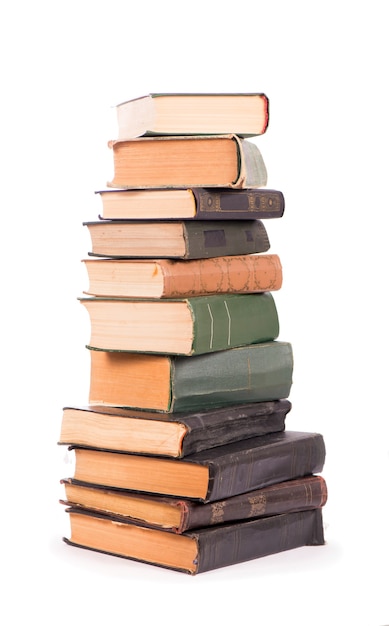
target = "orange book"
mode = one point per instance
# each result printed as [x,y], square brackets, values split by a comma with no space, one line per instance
[169,278]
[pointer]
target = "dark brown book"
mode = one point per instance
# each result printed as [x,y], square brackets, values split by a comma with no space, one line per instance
[199,550]
[194,203]
[177,515]
[178,239]
[169,434]
[210,475]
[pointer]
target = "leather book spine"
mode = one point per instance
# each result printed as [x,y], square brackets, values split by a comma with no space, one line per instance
[228,545]
[302,494]
[239,204]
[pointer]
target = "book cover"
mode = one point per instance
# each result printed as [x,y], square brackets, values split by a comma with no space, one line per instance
[176,238]
[186,326]
[173,278]
[179,515]
[187,161]
[192,204]
[169,434]
[171,383]
[199,550]
[210,475]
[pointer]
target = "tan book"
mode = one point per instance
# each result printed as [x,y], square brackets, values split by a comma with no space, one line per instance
[185,161]
[245,114]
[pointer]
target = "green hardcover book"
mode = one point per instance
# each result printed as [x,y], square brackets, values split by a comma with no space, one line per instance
[187,326]
[181,239]
[171,383]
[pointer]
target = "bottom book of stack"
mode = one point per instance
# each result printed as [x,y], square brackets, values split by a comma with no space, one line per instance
[210,509]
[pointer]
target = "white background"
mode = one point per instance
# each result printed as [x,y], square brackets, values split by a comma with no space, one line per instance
[324,66]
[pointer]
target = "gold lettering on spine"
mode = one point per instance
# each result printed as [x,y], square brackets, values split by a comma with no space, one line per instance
[257,505]
[217,512]
[210,202]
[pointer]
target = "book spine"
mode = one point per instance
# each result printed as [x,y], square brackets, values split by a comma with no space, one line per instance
[253,168]
[239,204]
[285,459]
[286,497]
[224,238]
[237,543]
[205,430]
[244,273]
[255,373]
[224,322]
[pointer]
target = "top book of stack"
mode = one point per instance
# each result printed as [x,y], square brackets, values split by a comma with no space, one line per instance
[190,140]
[242,114]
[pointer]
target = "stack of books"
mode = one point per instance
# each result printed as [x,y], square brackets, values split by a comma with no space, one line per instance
[182,457]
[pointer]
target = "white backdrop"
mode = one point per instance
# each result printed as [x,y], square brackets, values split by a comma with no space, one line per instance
[323,66]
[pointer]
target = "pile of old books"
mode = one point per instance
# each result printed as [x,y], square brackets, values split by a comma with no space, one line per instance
[182,457]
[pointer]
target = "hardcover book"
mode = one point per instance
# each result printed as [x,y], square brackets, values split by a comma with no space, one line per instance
[169,434]
[171,384]
[187,161]
[176,239]
[199,550]
[178,515]
[173,278]
[246,114]
[210,475]
[192,204]
[186,326]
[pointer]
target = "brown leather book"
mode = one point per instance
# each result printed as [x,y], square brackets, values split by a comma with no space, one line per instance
[172,278]
[178,515]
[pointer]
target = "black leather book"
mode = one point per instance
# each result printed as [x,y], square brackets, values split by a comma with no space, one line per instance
[196,551]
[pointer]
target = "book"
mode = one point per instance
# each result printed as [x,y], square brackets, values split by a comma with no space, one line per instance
[186,326]
[246,114]
[199,550]
[176,239]
[185,161]
[178,278]
[178,515]
[172,435]
[194,204]
[171,383]
[210,475]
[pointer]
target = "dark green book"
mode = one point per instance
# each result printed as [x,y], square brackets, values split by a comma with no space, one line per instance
[186,326]
[170,383]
